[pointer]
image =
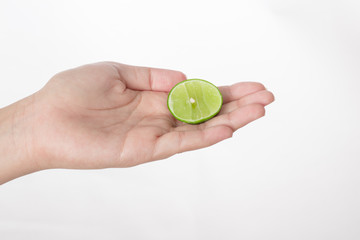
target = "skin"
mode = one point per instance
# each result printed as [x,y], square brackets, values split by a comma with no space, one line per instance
[107,115]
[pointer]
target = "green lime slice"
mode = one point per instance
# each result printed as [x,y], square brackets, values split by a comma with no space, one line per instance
[194,101]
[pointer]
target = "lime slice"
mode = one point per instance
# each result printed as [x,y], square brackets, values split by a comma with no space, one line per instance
[194,101]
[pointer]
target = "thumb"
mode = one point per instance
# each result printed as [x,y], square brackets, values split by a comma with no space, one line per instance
[150,79]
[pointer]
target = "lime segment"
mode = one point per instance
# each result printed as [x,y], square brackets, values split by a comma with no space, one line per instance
[194,101]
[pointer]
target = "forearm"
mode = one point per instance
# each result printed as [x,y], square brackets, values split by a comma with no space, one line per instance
[14,152]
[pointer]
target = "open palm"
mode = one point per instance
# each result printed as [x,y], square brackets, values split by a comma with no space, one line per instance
[115,115]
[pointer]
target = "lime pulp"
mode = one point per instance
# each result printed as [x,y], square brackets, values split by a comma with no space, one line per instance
[194,101]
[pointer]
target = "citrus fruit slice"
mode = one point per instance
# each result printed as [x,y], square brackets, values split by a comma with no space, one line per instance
[194,101]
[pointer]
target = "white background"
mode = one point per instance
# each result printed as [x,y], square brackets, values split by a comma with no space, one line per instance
[293,174]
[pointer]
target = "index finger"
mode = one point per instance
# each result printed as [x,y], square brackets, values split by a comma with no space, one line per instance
[239,90]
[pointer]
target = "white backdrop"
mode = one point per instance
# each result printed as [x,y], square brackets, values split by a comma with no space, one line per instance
[293,174]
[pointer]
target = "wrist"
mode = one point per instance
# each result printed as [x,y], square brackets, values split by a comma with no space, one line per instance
[16,155]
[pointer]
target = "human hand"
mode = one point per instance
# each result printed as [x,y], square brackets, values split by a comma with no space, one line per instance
[114,115]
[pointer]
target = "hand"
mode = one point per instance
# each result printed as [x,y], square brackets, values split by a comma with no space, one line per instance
[114,115]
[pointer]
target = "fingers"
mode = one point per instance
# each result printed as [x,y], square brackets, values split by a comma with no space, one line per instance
[199,136]
[239,117]
[181,141]
[239,90]
[263,97]
[151,79]
[191,137]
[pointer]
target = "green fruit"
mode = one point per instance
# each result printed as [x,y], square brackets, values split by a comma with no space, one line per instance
[194,101]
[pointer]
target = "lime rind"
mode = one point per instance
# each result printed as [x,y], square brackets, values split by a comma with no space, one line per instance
[203,112]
